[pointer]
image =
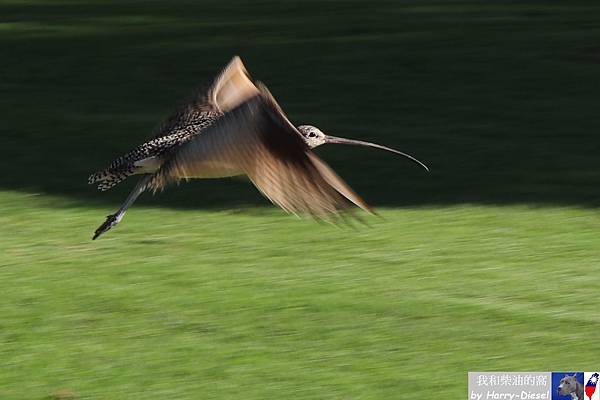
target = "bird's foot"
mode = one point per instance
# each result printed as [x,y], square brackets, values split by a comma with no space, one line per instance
[111,220]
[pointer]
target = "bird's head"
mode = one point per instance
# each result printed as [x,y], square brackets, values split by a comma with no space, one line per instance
[314,137]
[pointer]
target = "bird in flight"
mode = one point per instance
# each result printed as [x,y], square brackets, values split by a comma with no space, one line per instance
[237,128]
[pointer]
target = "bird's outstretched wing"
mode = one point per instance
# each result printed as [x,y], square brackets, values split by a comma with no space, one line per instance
[232,86]
[256,139]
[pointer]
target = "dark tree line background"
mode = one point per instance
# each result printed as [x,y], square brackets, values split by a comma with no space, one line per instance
[499,98]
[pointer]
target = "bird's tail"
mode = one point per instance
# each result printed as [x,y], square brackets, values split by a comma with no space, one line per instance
[109,177]
[122,167]
[143,159]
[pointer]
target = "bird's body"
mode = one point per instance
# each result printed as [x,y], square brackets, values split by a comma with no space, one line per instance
[237,128]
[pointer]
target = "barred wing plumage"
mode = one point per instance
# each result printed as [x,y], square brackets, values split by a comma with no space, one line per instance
[230,88]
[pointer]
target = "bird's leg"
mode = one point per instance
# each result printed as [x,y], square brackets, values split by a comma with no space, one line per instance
[115,218]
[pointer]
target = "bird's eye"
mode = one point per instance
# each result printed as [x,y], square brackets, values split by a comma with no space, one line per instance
[312,134]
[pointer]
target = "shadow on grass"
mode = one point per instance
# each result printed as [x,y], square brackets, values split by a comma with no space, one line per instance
[499,99]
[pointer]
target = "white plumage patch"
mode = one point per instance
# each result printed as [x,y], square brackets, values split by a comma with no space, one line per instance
[147,165]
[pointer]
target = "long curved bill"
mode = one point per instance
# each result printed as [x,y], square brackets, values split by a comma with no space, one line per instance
[339,140]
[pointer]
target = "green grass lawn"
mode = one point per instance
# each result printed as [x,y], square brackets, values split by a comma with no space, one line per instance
[256,304]
[205,291]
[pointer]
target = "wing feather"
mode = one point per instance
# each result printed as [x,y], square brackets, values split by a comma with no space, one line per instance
[232,86]
[256,139]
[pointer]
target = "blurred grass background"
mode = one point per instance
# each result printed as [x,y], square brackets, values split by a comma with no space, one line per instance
[206,291]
